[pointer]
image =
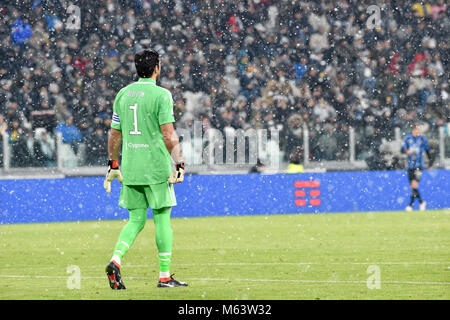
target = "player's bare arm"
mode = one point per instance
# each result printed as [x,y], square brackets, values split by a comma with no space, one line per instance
[172,143]
[114,140]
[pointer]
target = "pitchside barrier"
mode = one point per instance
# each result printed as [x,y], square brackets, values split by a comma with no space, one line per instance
[83,198]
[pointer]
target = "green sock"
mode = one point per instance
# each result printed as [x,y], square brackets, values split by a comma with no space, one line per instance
[129,232]
[164,239]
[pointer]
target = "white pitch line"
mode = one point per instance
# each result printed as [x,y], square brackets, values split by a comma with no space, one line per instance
[248,280]
[305,263]
[259,264]
[320,281]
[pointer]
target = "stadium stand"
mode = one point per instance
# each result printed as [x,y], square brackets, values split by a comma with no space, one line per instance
[231,64]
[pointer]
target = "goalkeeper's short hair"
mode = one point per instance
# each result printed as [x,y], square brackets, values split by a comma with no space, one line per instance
[145,62]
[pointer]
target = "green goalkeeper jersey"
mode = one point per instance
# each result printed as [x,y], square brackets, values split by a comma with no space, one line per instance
[139,110]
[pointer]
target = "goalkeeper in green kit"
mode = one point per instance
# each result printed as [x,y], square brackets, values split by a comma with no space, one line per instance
[143,119]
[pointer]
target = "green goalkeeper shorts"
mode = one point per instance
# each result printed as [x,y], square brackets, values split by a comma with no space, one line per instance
[155,196]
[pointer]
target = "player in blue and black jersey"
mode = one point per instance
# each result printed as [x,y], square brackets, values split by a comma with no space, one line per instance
[415,146]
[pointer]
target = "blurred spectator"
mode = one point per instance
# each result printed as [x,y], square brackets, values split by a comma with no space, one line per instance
[96,145]
[259,167]
[293,136]
[295,163]
[44,150]
[44,117]
[20,151]
[21,30]
[70,134]
[327,144]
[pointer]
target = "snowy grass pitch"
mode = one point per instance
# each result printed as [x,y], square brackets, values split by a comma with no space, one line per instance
[310,256]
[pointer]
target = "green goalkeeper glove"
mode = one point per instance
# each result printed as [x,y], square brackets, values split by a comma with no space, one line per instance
[177,176]
[113,172]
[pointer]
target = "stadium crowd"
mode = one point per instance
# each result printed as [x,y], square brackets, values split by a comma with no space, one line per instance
[230,64]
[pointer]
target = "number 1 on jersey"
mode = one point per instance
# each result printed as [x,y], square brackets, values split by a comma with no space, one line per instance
[135,131]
